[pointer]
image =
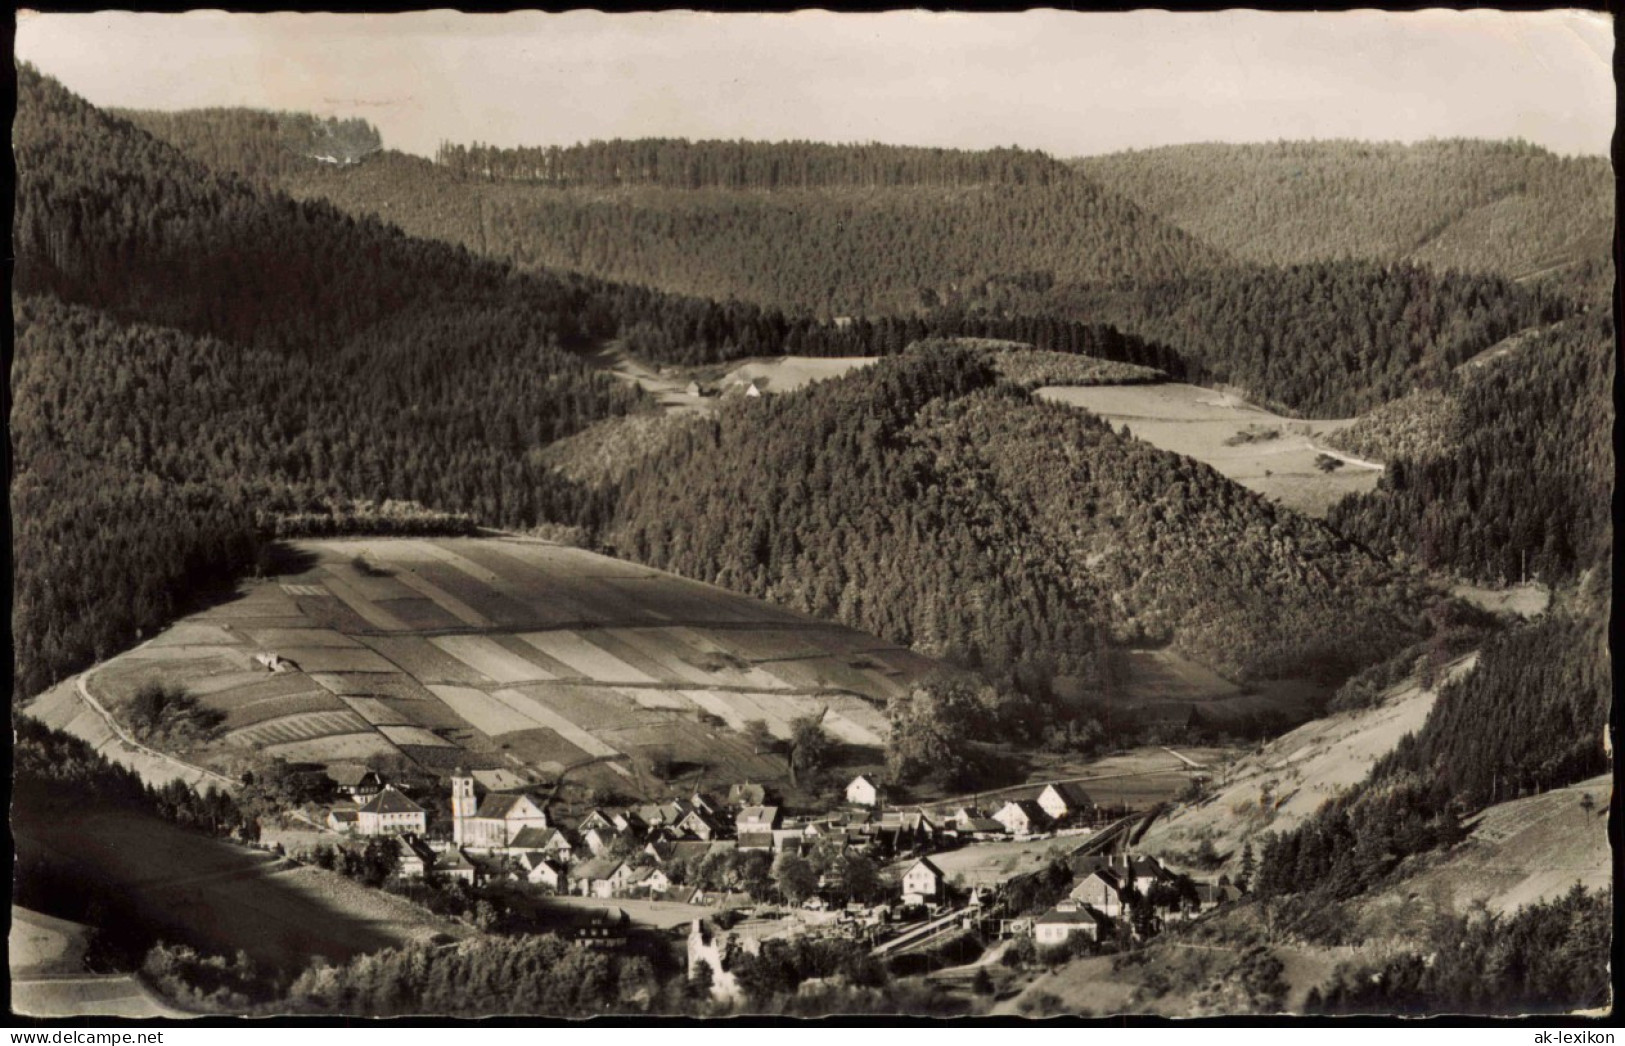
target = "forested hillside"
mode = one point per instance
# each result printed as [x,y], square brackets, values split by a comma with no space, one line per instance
[829,230]
[1525,484]
[924,501]
[1500,207]
[260,146]
[1328,339]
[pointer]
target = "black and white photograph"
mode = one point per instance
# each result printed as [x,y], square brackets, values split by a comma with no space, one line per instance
[684,516]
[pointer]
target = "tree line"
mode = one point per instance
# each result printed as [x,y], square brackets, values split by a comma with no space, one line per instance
[677,163]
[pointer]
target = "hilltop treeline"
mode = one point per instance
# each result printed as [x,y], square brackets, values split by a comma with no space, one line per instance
[1329,339]
[676,163]
[1524,485]
[258,145]
[1499,207]
[923,501]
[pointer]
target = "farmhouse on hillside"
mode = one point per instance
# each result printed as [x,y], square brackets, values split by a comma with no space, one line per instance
[540,870]
[455,864]
[391,813]
[862,792]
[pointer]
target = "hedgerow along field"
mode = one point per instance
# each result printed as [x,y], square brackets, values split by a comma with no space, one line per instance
[509,652]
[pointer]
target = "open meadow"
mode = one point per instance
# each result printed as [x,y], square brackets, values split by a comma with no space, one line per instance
[511,653]
[1264,452]
[1285,781]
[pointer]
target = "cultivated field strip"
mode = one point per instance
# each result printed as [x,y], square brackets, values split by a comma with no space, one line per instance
[589,660]
[335,748]
[376,712]
[242,715]
[196,633]
[278,638]
[557,723]
[299,726]
[368,609]
[443,599]
[414,735]
[482,711]
[489,659]
[336,659]
[425,662]
[393,685]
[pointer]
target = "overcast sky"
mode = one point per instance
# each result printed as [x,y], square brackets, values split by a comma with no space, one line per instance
[1072,84]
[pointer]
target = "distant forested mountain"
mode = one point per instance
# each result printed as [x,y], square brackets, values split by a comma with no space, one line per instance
[1503,207]
[1525,483]
[1329,339]
[829,230]
[922,500]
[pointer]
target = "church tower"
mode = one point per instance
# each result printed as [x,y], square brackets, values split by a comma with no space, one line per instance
[462,805]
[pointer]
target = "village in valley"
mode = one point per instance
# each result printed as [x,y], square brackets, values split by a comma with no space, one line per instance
[707,516]
[736,869]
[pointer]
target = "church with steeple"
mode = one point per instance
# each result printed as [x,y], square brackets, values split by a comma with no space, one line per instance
[492,822]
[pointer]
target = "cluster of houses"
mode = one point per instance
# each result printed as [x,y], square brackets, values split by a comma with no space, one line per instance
[607,851]
[1053,806]
[1104,887]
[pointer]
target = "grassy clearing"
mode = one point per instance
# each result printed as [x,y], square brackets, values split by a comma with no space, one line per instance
[1283,782]
[1200,423]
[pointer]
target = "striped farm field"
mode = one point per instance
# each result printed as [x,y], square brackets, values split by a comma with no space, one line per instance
[376,712]
[414,735]
[338,748]
[418,613]
[299,727]
[425,662]
[512,653]
[279,638]
[482,711]
[265,709]
[336,659]
[489,659]
[395,685]
[587,658]
[589,707]
[544,748]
